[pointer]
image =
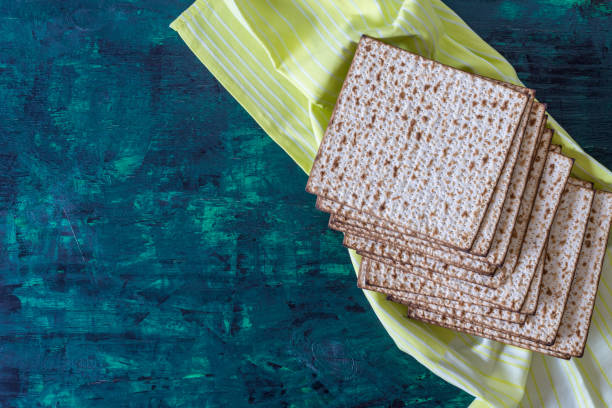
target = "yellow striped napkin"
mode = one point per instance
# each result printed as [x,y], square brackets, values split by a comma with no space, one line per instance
[284,62]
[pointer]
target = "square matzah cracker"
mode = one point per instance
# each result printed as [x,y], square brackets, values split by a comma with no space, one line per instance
[574,328]
[533,126]
[520,266]
[564,247]
[511,294]
[416,143]
[463,309]
[460,306]
[511,181]
[369,227]
[384,276]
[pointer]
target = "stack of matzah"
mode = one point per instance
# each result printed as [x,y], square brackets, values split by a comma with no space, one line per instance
[447,184]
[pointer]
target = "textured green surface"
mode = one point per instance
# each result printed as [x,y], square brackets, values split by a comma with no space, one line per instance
[158,250]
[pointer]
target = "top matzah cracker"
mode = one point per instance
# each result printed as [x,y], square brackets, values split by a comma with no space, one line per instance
[416,143]
[508,190]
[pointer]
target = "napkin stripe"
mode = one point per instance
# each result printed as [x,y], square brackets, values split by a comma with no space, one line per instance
[302,124]
[261,99]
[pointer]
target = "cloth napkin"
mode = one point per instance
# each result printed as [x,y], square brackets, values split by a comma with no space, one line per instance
[284,62]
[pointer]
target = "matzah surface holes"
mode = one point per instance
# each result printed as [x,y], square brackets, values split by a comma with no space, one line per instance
[482,243]
[459,305]
[564,247]
[521,267]
[574,326]
[473,312]
[416,143]
[355,222]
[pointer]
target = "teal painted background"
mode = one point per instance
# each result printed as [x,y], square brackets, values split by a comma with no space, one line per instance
[159,250]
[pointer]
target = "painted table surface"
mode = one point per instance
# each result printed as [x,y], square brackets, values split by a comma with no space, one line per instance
[159,250]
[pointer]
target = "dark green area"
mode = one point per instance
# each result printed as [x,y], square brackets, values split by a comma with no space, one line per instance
[159,250]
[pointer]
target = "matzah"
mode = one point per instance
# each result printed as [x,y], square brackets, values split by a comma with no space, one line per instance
[512,292]
[509,189]
[581,183]
[445,182]
[474,313]
[432,303]
[402,144]
[458,308]
[520,177]
[372,250]
[456,324]
[413,263]
[564,247]
[520,266]
[574,328]
[384,276]
[361,225]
